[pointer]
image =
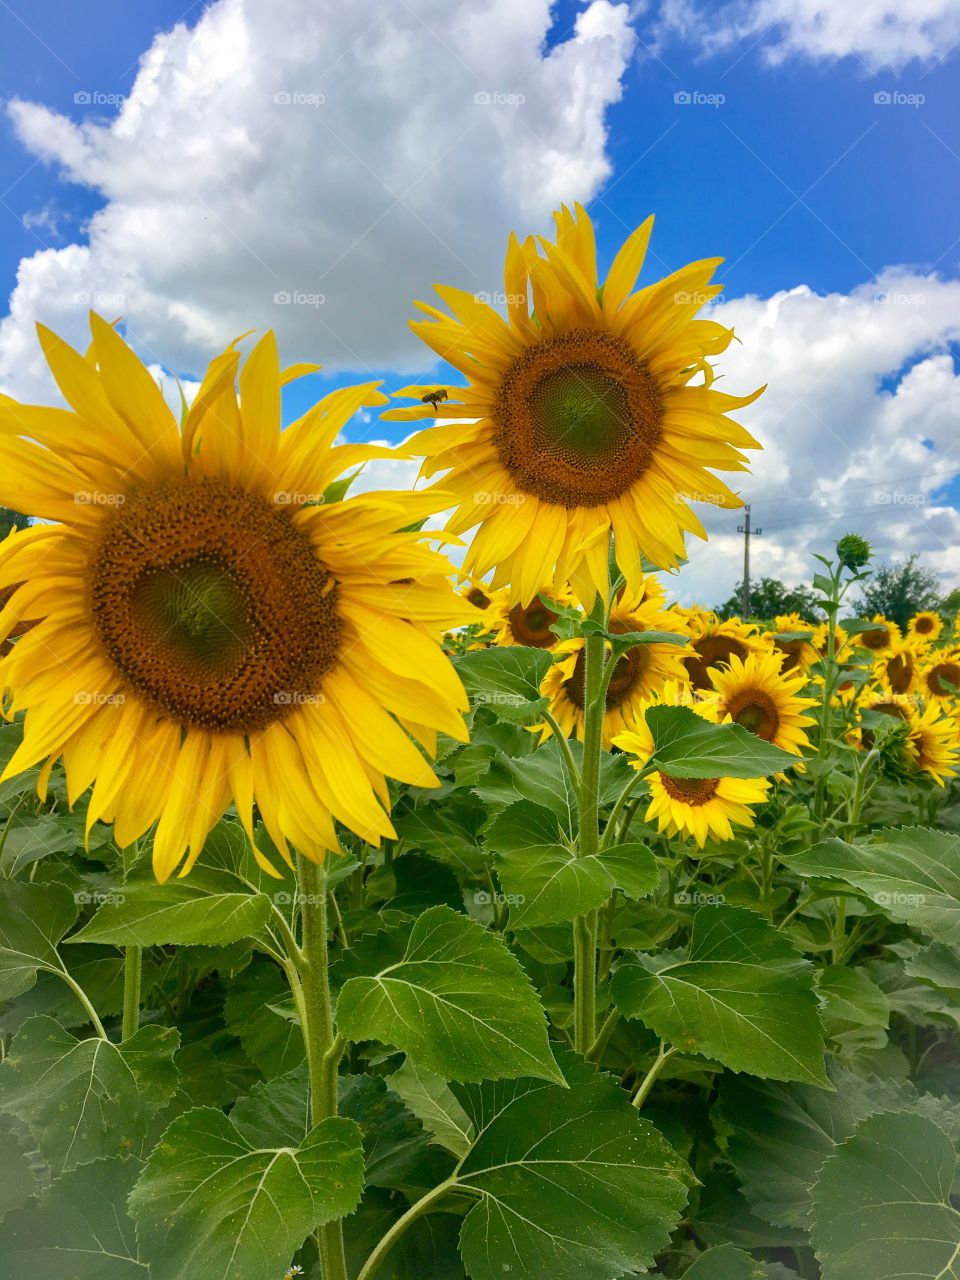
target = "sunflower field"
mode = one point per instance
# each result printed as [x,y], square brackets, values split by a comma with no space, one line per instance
[403,885]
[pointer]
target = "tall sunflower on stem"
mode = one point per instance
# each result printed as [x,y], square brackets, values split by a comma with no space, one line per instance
[588,424]
[593,412]
[204,628]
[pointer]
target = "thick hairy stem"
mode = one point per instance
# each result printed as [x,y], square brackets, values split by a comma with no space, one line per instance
[324,1046]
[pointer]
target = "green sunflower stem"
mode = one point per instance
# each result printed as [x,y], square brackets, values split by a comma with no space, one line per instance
[588,841]
[132,975]
[324,1046]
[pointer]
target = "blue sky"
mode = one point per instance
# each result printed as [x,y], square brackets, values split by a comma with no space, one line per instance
[784,162]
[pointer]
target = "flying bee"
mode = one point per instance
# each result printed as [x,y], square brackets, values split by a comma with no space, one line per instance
[435,397]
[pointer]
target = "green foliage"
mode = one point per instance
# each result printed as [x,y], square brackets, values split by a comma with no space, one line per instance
[768,598]
[899,591]
[687,746]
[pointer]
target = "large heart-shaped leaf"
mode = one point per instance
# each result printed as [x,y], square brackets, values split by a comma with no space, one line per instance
[913,874]
[85,1099]
[212,1203]
[506,679]
[574,1184]
[726,1262]
[882,1203]
[546,881]
[741,994]
[687,746]
[79,1229]
[33,919]
[458,1002]
[182,913]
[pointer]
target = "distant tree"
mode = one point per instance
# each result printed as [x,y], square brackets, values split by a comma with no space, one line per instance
[950,604]
[898,591]
[770,597]
[10,520]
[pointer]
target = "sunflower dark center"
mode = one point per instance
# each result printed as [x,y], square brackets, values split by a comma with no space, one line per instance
[877,638]
[756,711]
[531,625]
[712,651]
[625,680]
[691,791]
[948,672]
[577,418]
[900,672]
[923,625]
[211,603]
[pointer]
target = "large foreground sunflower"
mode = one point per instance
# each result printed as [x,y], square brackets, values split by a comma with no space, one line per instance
[207,629]
[585,414]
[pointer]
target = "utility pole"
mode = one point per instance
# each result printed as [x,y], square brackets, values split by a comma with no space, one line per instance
[745,586]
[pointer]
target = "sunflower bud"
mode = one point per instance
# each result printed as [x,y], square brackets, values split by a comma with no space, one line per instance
[853,551]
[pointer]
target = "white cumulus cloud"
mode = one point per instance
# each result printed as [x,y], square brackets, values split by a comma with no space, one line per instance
[315,168]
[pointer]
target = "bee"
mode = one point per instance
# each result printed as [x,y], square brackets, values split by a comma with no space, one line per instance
[293,1272]
[435,397]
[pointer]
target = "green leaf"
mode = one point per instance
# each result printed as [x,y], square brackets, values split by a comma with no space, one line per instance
[574,1184]
[742,995]
[937,965]
[724,1217]
[79,1229]
[36,838]
[542,778]
[19,1181]
[33,919]
[431,1100]
[181,913]
[686,746]
[272,1042]
[458,1002]
[506,679]
[443,834]
[780,1135]
[882,1203]
[211,1203]
[548,882]
[84,1099]
[851,1001]
[726,1263]
[912,874]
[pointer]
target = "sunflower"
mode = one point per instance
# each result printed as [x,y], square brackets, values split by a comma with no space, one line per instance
[925,626]
[207,628]
[639,674]
[798,652]
[695,807]
[898,667]
[940,676]
[714,643]
[881,638]
[479,595]
[580,415]
[528,624]
[755,693]
[932,744]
